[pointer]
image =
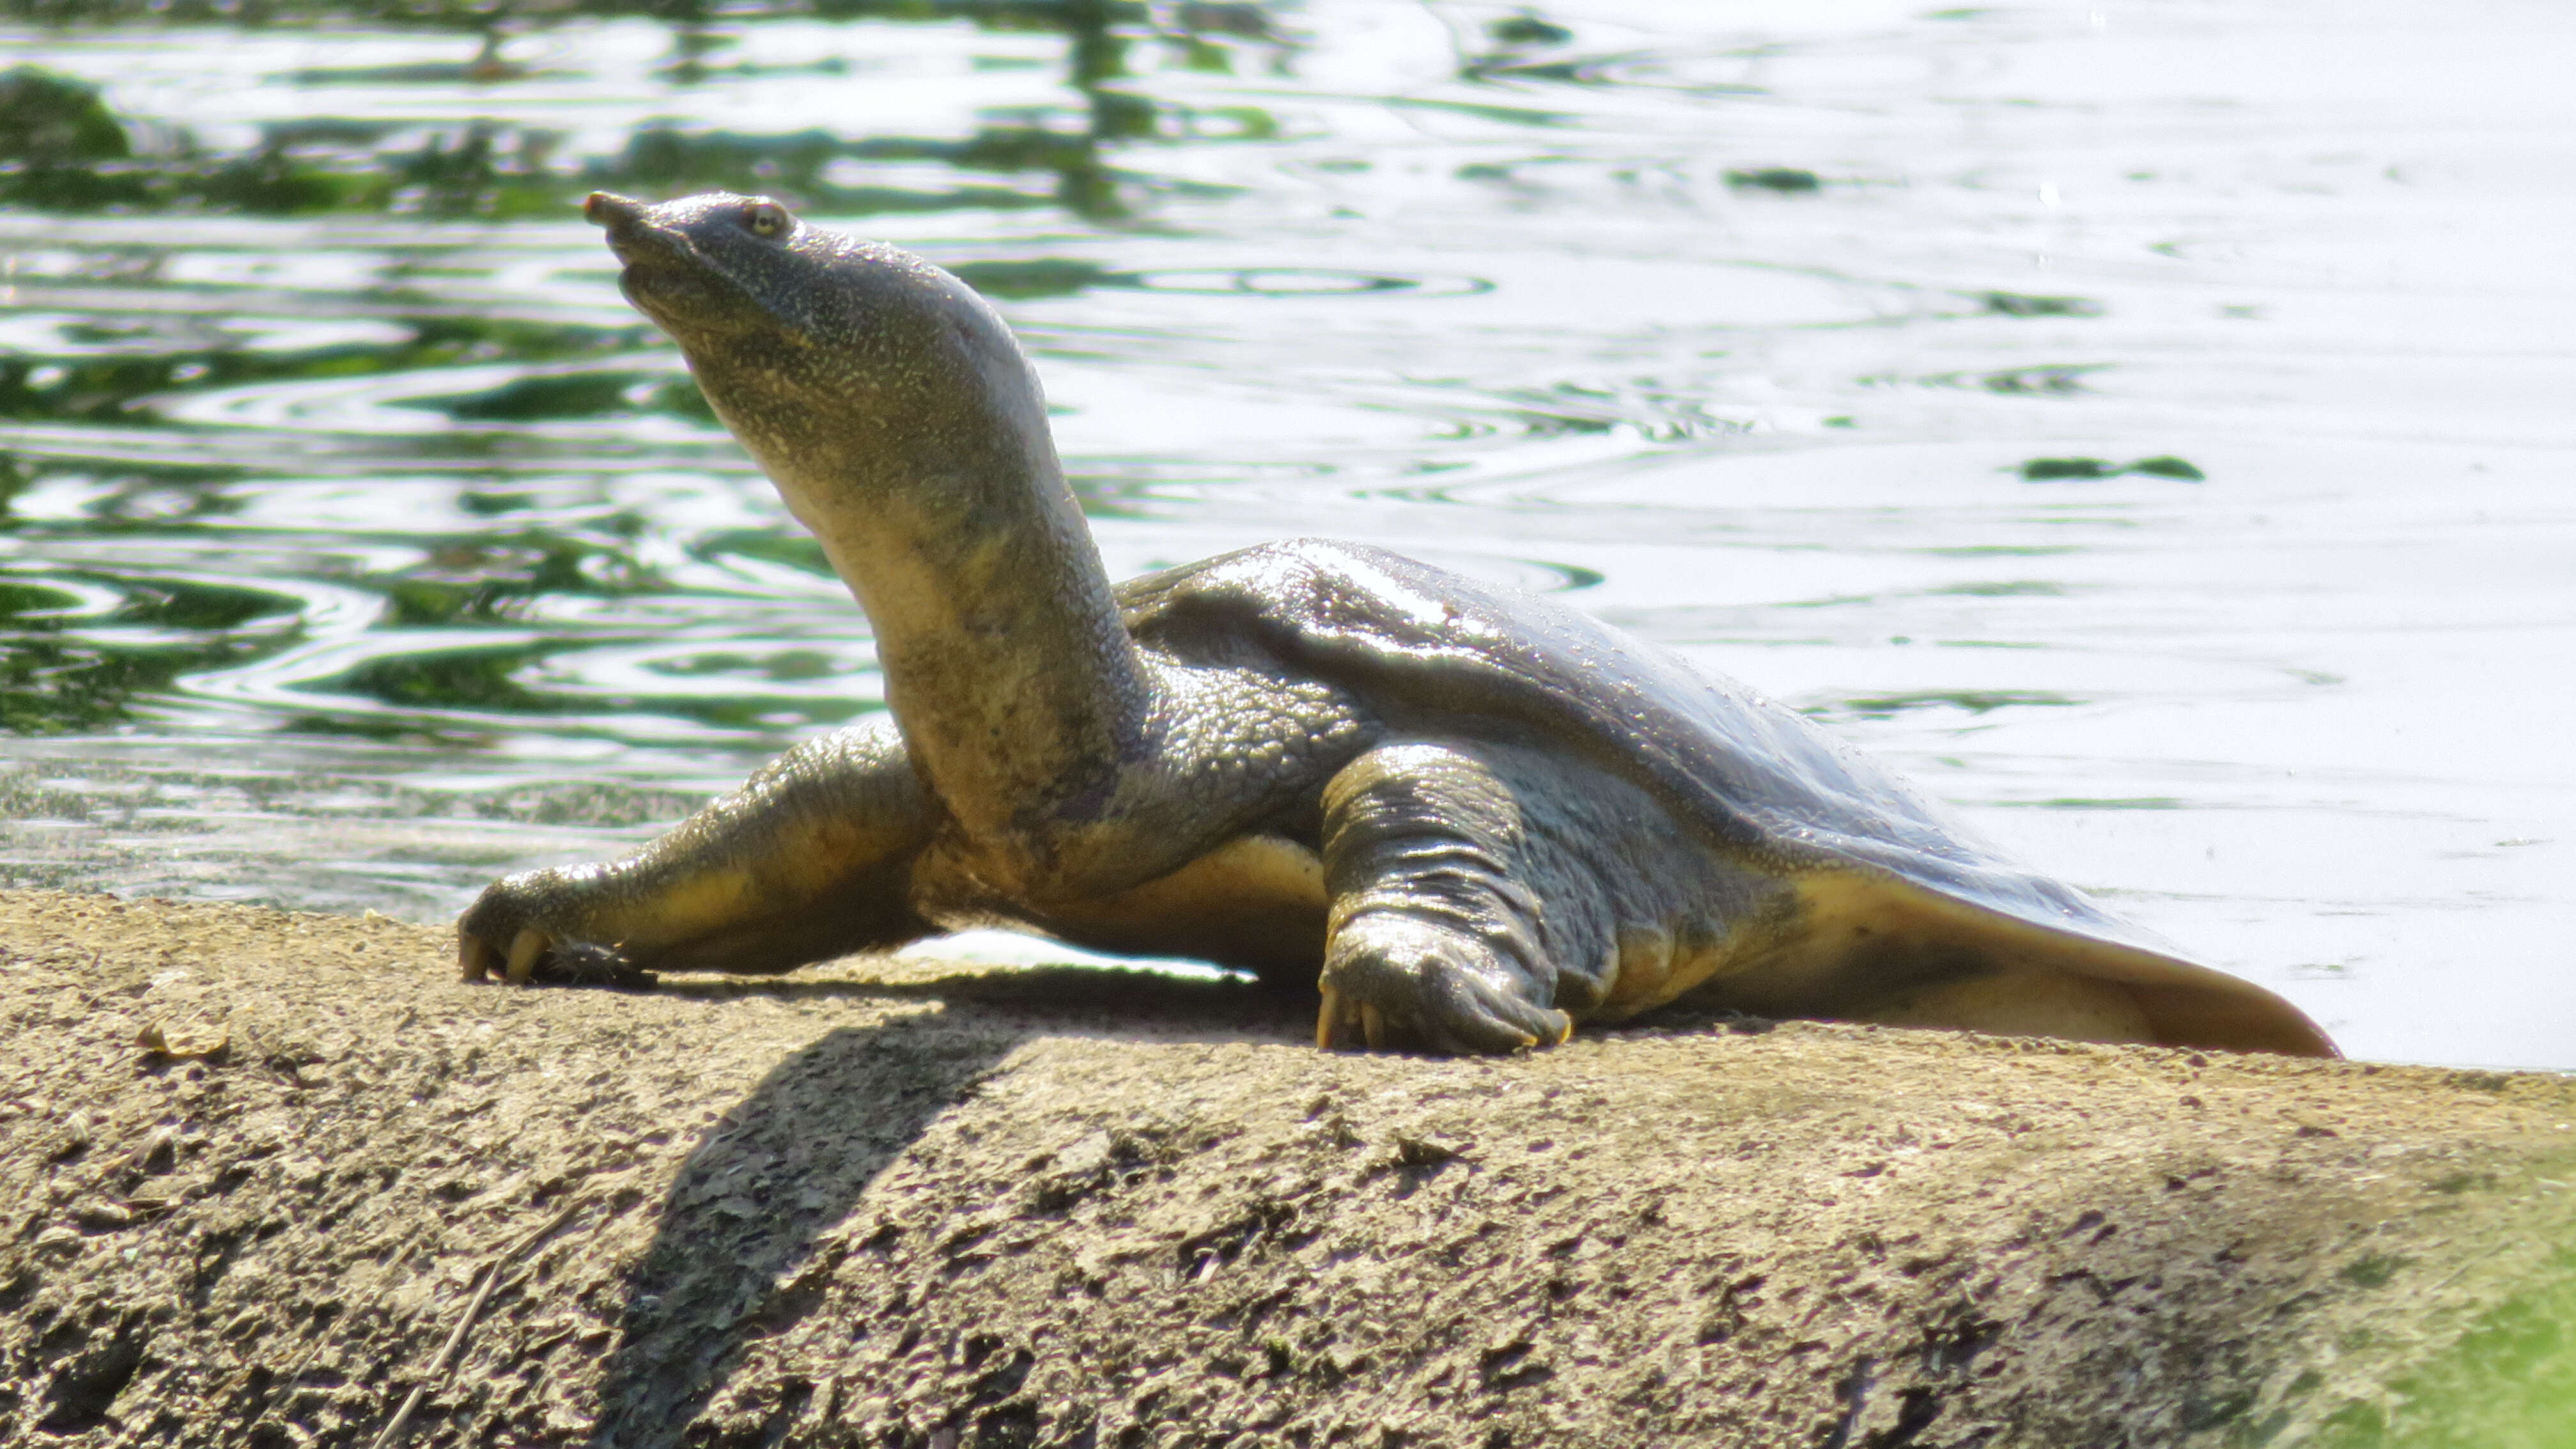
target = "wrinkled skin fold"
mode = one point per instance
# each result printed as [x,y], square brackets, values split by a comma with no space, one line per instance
[1470,818]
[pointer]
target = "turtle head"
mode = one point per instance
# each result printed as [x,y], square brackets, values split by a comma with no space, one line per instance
[840,363]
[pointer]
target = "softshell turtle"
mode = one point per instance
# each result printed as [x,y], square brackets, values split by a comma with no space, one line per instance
[1472,816]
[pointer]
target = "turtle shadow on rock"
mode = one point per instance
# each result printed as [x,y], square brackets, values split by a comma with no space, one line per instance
[775,1173]
[1121,999]
[791,1161]
[1108,999]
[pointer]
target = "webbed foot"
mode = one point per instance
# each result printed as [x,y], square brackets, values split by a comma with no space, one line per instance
[810,859]
[1390,982]
[525,929]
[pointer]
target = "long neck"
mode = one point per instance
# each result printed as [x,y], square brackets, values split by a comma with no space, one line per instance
[1018,690]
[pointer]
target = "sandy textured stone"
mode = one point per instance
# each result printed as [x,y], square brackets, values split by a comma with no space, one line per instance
[255,1166]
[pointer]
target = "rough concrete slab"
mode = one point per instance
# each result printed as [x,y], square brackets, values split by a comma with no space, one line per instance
[257,1168]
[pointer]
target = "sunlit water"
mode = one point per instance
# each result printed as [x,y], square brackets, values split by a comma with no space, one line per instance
[360,543]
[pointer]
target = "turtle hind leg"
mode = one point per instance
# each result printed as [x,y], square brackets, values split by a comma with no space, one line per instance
[1436,935]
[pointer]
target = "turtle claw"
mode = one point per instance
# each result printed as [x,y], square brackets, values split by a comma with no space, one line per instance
[536,959]
[1348,1023]
[475,958]
[1393,984]
[526,949]
[523,932]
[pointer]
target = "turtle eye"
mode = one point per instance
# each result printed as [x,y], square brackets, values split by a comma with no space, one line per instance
[765,219]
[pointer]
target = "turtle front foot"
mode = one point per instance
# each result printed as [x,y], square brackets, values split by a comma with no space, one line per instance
[1394,983]
[520,931]
[555,963]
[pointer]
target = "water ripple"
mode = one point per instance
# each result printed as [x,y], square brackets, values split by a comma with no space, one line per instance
[2151,436]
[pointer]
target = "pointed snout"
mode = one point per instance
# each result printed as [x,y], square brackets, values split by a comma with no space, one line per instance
[692,265]
[632,231]
[608,209]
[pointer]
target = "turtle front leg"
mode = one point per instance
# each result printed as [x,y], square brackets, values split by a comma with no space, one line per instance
[810,859]
[1437,933]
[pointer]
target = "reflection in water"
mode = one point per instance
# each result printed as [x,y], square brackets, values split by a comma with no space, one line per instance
[71,151]
[2178,486]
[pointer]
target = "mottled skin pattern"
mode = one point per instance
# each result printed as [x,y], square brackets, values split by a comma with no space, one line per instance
[1474,818]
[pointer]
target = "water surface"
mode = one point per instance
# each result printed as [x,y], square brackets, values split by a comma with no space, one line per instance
[2145,425]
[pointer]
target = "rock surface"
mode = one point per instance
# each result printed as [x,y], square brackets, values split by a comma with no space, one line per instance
[259,1171]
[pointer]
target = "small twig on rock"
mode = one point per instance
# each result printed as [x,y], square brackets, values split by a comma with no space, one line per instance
[285,1384]
[485,1282]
